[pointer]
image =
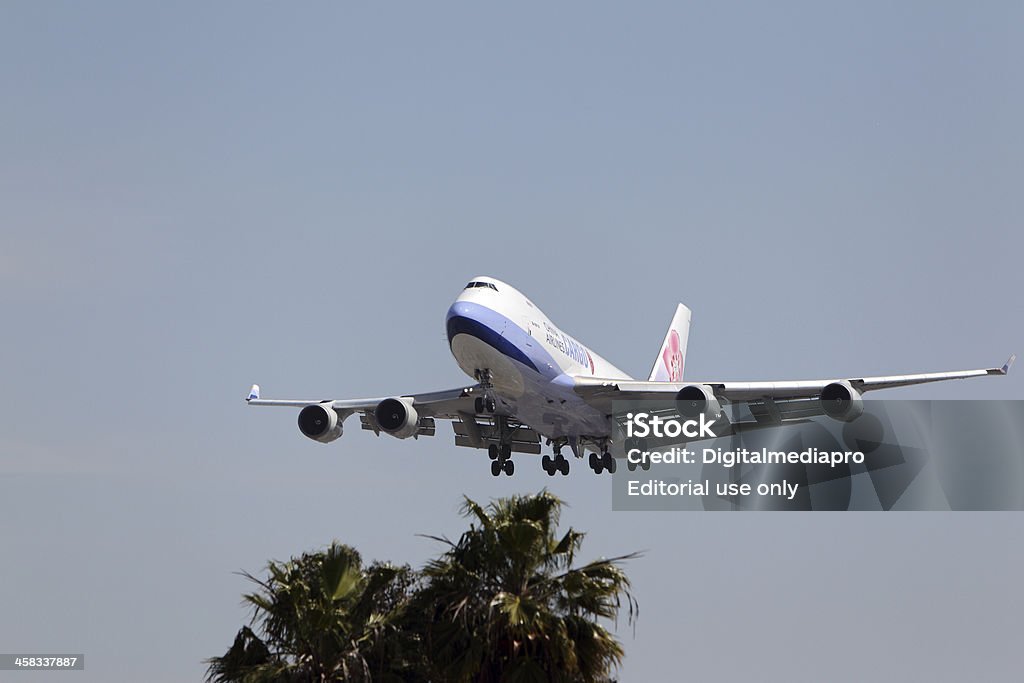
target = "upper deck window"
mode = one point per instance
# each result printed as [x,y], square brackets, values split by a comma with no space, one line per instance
[471,285]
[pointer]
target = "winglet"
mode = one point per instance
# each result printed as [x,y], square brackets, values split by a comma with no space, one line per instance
[1006,366]
[254,392]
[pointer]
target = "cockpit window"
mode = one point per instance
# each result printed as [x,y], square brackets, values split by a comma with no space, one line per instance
[471,285]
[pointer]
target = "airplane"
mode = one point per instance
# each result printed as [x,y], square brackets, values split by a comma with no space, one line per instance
[534,381]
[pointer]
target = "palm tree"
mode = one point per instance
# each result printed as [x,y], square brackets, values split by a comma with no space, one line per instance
[506,603]
[322,617]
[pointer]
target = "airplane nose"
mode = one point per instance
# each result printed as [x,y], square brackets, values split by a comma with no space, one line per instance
[460,308]
[458,315]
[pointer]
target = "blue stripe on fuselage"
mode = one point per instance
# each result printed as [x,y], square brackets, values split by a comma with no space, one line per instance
[499,333]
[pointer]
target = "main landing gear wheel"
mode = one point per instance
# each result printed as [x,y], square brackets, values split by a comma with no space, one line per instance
[602,463]
[645,465]
[496,452]
[641,445]
[502,465]
[555,464]
[501,460]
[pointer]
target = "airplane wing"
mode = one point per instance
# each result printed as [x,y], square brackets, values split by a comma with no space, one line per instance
[472,429]
[443,404]
[800,394]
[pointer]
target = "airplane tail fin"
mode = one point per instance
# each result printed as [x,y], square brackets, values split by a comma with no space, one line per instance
[668,366]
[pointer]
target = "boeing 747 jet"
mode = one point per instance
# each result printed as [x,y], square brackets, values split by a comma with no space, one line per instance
[533,381]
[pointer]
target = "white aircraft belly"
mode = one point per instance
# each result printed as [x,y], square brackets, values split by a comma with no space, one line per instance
[552,410]
[472,354]
[555,413]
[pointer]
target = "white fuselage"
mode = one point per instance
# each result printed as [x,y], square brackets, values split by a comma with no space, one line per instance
[533,365]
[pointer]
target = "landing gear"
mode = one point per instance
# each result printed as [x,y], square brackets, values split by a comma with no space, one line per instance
[501,455]
[502,465]
[484,404]
[496,452]
[502,462]
[555,464]
[602,463]
[641,445]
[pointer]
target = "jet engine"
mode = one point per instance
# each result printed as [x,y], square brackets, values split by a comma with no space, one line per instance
[697,399]
[397,417]
[320,423]
[841,401]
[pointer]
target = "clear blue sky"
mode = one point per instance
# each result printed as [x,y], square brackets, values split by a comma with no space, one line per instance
[197,197]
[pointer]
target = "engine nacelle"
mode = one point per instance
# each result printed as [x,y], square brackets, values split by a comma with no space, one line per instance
[697,399]
[397,417]
[842,402]
[320,423]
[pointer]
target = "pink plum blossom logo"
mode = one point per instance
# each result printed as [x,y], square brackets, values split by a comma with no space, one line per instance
[673,358]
